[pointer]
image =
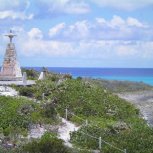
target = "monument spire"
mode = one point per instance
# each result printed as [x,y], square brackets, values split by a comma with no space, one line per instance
[10,35]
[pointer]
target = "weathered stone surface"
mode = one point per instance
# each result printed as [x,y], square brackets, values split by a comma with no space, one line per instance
[18,83]
[10,69]
[24,78]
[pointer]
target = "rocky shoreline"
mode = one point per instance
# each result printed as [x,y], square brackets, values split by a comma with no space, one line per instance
[143,100]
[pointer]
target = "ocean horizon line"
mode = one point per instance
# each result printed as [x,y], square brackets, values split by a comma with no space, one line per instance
[121,74]
[87,67]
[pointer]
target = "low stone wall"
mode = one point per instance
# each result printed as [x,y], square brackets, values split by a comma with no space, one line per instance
[10,78]
[19,83]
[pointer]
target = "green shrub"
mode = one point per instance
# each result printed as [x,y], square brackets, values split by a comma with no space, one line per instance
[31,73]
[26,91]
[47,144]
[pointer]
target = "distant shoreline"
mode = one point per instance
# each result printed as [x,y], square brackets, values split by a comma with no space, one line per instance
[143,100]
[144,75]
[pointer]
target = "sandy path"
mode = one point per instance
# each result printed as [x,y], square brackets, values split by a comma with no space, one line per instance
[142,100]
[64,131]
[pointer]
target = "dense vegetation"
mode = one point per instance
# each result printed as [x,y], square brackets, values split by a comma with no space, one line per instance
[31,73]
[118,120]
[21,112]
[109,117]
[49,143]
[121,86]
[17,115]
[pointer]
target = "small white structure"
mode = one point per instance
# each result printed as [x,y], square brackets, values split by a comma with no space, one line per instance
[42,76]
[24,78]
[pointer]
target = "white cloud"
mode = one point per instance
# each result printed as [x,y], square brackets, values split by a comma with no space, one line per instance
[15,9]
[99,40]
[17,5]
[124,4]
[101,21]
[127,49]
[15,15]
[77,8]
[116,28]
[88,49]
[56,29]
[102,39]
[92,52]
[76,31]
[134,22]
[64,6]
[115,50]
[148,50]
[117,21]
[44,48]
[33,44]
[79,30]
[35,33]
[120,22]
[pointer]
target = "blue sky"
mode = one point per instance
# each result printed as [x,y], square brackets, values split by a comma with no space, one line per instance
[79,33]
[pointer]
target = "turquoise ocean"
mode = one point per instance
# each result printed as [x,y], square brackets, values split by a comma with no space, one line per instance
[123,74]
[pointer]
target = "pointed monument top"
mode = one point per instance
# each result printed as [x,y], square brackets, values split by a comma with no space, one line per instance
[10,35]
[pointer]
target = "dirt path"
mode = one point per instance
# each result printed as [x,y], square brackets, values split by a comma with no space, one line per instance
[64,131]
[142,100]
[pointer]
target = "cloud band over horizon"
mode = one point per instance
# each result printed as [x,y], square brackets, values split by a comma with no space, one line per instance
[79,32]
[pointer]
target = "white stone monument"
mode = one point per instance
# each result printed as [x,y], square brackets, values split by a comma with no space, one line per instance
[42,76]
[10,70]
[24,78]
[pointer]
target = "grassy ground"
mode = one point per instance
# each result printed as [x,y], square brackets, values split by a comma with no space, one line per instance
[121,86]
